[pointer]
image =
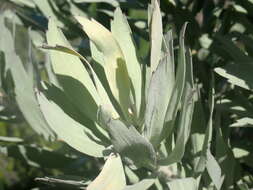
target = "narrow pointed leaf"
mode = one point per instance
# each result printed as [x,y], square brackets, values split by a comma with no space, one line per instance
[58,96]
[123,34]
[156,35]
[169,50]
[157,101]
[185,119]
[178,87]
[6,43]
[214,171]
[67,129]
[111,177]
[237,74]
[114,63]
[99,87]
[23,86]
[25,97]
[72,75]
[131,175]
[243,122]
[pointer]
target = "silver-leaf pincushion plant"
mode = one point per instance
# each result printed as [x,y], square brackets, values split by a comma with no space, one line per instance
[118,106]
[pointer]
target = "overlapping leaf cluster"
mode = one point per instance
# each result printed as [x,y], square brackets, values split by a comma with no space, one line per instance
[141,111]
[112,115]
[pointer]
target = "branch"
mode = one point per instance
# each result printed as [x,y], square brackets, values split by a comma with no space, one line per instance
[55,182]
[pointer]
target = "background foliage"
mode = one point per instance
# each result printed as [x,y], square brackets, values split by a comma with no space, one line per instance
[219,34]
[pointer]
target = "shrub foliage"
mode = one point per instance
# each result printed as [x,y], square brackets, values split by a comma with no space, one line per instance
[126,95]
